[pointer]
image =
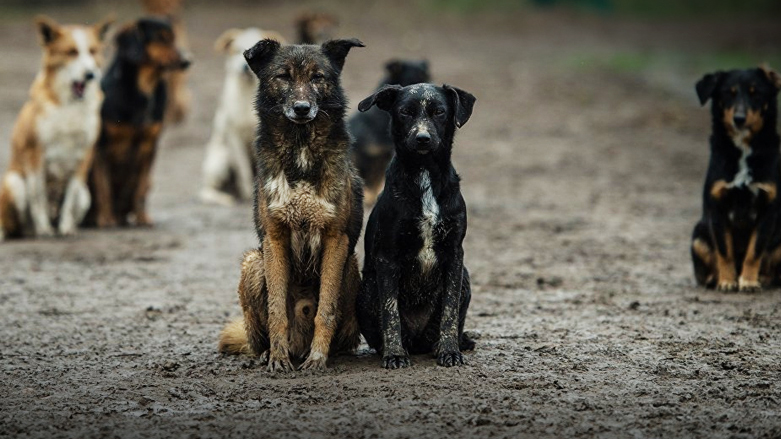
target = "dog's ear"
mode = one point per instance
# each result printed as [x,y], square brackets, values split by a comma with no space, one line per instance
[48,29]
[260,54]
[424,65]
[103,26]
[463,102]
[393,67]
[274,35]
[383,98]
[224,41]
[771,75]
[337,50]
[706,86]
[130,45]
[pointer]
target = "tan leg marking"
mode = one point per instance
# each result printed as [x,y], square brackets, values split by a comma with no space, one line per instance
[725,266]
[749,277]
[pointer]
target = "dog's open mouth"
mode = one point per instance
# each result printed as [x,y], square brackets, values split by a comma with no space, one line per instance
[78,88]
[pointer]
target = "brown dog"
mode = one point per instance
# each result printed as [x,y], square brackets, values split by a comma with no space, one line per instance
[298,290]
[132,113]
[54,137]
[315,27]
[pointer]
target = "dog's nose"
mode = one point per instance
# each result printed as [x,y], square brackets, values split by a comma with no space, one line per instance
[301,108]
[185,64]
[89,76]
[739,119]
[423,138]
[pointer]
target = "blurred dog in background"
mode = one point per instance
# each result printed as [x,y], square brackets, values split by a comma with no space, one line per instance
[315,27]
[53,140]
[132,114]
[179,95]
[373,146]
[229,165]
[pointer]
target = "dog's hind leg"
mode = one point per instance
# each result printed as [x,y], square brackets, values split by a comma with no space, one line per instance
[703,257]
[250,334]
[216,173]
[243,167]
[13,205]
[464,342]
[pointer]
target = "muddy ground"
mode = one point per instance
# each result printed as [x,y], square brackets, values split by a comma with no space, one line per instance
[583,182]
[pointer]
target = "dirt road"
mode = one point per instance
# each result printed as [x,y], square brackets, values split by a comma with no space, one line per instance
[583,182]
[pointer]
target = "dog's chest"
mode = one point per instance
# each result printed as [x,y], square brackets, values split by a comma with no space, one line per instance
[297,204]
[428,222]
[66,134]
[743,176]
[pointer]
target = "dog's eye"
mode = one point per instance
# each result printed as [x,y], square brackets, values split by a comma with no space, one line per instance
[439,112]
[752,90]
[283,76]
[93,51]
[318,76]
[73,52]
[406,111]
[733,91]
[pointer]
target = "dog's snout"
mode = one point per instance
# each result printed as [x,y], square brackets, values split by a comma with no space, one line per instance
[89,76]
[423,138]
[739,119]
[301,108]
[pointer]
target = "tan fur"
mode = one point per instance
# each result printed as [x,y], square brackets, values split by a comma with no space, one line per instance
[725,266]
[749,276]
[53,139]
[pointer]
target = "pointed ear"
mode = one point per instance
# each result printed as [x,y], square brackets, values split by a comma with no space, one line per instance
[224,41]
[707,85]
[383,98]
[462,103]
[129,44]
[393,67]
[48,29]
[274,35]
[103,26]
[337,50]
[260,54]
[771,76]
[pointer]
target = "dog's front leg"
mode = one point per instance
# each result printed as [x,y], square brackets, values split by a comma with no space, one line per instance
[332,267]
[725,256]
[74,206]
[447,350]
[101,184]
[394,356]
[36,190]
[275,255]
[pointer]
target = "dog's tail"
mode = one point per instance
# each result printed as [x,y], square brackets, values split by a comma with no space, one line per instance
[233,338]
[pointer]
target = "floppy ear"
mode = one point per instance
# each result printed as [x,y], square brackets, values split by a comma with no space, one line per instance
[224,41]
[707,85]
[103,26]
[48,29]
[383,98]
[337,50]
[129,44]
[258,55]
[771,75]
[462,102]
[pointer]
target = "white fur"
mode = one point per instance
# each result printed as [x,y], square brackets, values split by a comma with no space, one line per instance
[299,204]
[230,148]
[429,220]
[17,188]
[743,177]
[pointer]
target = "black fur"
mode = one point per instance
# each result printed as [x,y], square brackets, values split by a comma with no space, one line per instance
[402,307]
[739,210]
[373,146]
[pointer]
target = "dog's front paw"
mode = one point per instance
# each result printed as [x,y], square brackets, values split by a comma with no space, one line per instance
[315,361]
[746,286]
[727,286]
[395,362]
[143,220]
[280,364]
[449,359]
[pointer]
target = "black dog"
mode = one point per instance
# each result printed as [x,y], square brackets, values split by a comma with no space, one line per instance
[373,146]
[740,229]
[415,290]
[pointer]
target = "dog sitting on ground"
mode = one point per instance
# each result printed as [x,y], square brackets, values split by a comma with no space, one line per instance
[315,27]
[53,140]
[132,114]
[415,291]
[737,243]
[298,289]
[373,146]
[229,165]
[179,98]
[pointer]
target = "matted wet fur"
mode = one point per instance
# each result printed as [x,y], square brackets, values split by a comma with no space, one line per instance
[373,146]
[132,114]
[298,289]
[737,243]
[415,291]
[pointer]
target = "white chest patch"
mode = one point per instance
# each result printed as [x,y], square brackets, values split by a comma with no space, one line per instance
[429,219]
[67,132]
[298,204]
[743,177]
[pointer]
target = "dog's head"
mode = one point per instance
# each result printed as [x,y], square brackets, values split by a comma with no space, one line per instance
[73,55]
[233,43]
[424,116]
[314,27]
[151,42]
[404,72]
[299,82]
[743,100]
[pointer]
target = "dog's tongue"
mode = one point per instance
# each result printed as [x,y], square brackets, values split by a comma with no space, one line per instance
[78,88]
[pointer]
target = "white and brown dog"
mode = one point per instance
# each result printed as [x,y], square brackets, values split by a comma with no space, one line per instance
[229,165]
[53,140]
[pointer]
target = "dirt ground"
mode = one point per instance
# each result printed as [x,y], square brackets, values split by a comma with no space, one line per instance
[583,183]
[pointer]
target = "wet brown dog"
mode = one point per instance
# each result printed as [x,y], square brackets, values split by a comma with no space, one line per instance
[298,289]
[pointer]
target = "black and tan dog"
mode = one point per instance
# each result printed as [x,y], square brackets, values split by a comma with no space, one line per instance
[132,114]
[415,291]
[373,146]
[737,243]
[298,289]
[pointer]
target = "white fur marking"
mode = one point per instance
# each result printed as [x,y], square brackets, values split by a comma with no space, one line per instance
[429,219]
[743,177]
